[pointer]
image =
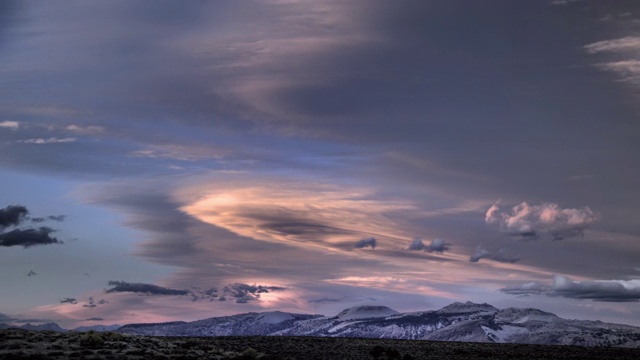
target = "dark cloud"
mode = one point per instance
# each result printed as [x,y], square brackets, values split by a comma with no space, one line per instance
[94,319]
[69,301]
[502,255]
[596,290]
[208,294]
[416,244]
[244,293]
[141,288]
[91,303]
[57,217]
[12,215]
[368,242]
[529,222]
[50,217]
[29,237]
[436,245]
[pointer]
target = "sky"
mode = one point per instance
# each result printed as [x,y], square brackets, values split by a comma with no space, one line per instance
[165,160]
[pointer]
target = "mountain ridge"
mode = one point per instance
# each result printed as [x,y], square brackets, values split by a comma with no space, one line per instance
[468,322]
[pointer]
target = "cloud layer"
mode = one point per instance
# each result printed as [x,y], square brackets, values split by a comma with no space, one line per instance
[596,290]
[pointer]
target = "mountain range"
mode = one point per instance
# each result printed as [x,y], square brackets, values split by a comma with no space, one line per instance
[468,322]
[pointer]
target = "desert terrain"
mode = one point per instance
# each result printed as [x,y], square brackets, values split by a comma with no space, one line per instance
[23,344]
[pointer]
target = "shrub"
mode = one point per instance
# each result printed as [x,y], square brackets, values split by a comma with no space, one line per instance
[249,354]
[91,340]
[377,351]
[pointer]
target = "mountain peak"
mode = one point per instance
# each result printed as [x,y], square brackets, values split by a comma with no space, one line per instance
[467,307]
[365,312]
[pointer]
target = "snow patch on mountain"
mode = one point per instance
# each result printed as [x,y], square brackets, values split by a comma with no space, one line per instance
[274,317]
[504,333]
[519,316]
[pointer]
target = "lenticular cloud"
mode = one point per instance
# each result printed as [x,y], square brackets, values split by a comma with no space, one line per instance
[530,222]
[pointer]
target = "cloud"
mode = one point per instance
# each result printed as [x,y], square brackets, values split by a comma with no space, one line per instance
[416,244]
[93,304]
[86,130]
[596,290]
[323,300]
[628,69]
[4,318]
[51,140]
[12,215]
[363,243]
[29,237]
[69,301]
[436,245]
[141,288]
[622,44]
[94,319]
[529,222]
[303,214]
[502,255]
[564,2]
[10,124]
[58,218]
[244,293]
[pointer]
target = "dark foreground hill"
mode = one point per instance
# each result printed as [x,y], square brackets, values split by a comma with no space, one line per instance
[24,344]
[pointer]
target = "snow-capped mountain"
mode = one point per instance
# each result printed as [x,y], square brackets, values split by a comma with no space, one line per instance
[265,323]
[455,322]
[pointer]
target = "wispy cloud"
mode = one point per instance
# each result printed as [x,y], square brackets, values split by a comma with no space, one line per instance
[180,152]
[9,124]
[627,69]
[51,140]
[297,213]
[614,45]
[564,2]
